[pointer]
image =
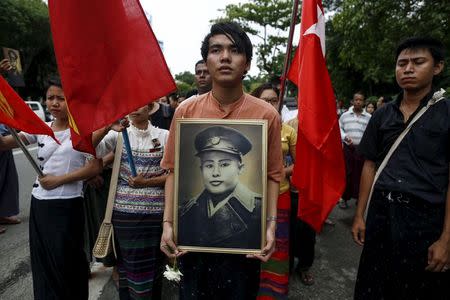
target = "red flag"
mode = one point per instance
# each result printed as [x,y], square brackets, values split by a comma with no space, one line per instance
[15,113]
[319,171]
[109,61]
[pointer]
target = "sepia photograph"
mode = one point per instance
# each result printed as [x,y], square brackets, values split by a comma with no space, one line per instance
[15,75]
[220,187]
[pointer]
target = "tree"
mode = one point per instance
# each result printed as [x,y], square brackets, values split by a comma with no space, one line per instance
[25,26]
[186,77]
[362,38]
[268,21]
[185,82]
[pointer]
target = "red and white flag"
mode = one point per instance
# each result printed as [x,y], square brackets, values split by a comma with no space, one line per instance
[109,61]
[319,170]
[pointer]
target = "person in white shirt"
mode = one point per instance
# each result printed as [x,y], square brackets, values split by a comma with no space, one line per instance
[58,263]
[353,123]
[139,204]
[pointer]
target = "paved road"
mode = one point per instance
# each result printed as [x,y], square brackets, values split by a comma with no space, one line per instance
[336,262]
[334,268]
[15,276]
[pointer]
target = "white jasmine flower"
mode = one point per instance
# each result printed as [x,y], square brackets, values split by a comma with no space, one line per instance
[172,274]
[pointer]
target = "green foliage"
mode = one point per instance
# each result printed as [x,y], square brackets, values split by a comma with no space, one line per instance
[268,21]
[362,37]
[251,82]
[185,82]
[186,77]
[183,88]
[25,26]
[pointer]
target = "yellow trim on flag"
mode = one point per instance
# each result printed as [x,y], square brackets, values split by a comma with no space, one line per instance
[72,123]
[5,107]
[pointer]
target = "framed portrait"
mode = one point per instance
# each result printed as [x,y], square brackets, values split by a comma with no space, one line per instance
[15,75]
[220,185]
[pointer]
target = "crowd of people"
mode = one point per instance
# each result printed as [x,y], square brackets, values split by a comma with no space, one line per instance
[405,237]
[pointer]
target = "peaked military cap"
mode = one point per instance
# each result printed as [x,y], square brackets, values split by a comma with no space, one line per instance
[222,138]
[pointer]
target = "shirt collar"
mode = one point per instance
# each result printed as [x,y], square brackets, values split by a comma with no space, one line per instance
[423,102]
[217,104]
[363,113]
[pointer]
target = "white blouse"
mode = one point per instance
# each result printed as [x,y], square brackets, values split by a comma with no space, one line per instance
[54,159]
[140,139]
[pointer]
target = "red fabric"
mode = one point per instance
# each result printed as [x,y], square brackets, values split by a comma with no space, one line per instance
[14,112]
[319,171]
[274,276]
[109,61]
[83,144]
[281,279]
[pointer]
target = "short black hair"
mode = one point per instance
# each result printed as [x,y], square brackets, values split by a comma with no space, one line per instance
[265,86]
[201,61]
[359,93]
[54,81]
[433,45]
[235,33]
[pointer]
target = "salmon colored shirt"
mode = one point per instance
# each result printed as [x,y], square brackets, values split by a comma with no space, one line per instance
[247,107]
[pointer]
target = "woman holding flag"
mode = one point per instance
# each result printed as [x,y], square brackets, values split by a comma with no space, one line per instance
[58,262]
[139,204]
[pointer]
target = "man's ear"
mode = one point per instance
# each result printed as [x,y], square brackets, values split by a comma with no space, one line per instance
[247,66]
[438,68]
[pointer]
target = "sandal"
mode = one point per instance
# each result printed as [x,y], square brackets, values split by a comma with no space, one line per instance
[10,220]
[306,278]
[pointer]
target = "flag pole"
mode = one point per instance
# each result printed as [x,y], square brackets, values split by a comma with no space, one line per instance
[25,151]
[288,54]
[126,142]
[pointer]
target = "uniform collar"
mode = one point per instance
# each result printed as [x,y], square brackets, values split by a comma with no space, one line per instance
[244,196]
[241,193]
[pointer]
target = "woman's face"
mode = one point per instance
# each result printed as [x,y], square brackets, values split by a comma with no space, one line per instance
[140,115]
[270,97]
[370,108]
[56,102]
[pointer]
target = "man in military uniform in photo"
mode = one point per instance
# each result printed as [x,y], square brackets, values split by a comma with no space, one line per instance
[226,214]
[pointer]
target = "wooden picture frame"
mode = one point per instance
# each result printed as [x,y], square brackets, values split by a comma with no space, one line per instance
[220,189]
[15,75]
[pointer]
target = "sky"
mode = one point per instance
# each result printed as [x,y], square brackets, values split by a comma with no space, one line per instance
[182,25]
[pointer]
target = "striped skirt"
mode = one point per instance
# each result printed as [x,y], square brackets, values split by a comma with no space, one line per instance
[274,279]
[139,258]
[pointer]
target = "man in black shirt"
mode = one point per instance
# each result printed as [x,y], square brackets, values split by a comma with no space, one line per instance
[406,236]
